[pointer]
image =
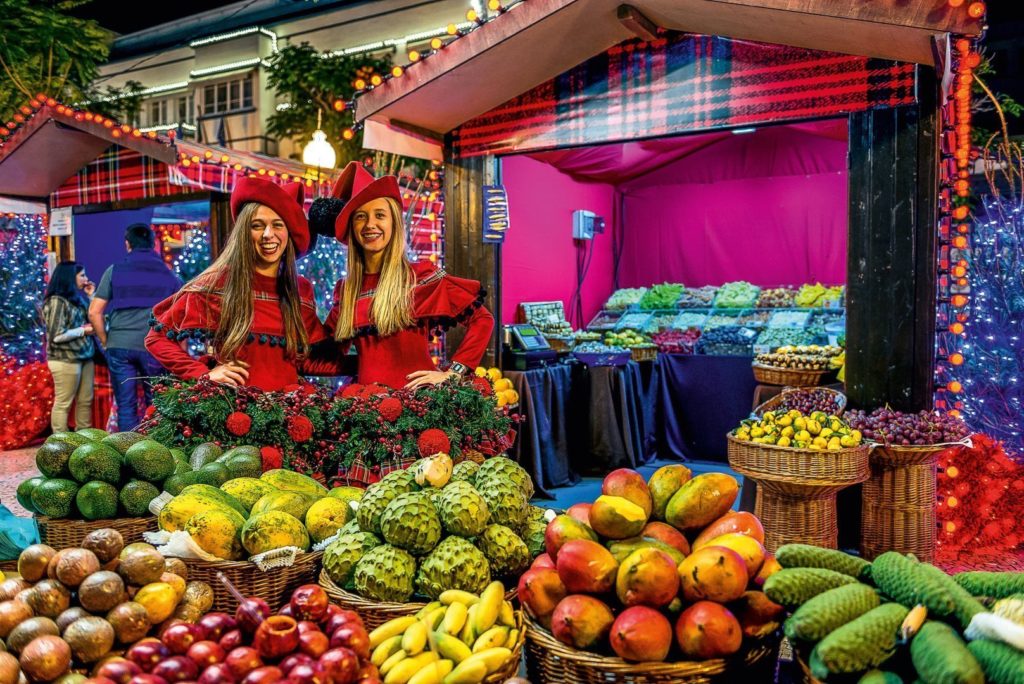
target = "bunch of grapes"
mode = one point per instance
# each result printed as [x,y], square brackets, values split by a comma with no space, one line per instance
[885,426]
[807,401]
[676,341]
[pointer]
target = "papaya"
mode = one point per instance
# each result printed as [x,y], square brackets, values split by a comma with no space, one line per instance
[179,510]
[217,533]
[247,490]
[218,495]
[294,482]
[293,503]
[701,501]
[273,530]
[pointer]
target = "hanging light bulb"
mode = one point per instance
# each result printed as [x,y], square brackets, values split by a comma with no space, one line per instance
[318,152]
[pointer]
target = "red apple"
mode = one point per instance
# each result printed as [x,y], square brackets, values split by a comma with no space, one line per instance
[314,644]
[352,636]
[264,675]
[232,640]
[242,661]
[310,673]
[308,626]
[341,665]
[294,659]
[145,678]
[206,653]
[286,610]
[331,611]
[309,602]
[218,673]
[180,637]
[176,669]
[276,637]
[119,670]
[217,625]
[147,653]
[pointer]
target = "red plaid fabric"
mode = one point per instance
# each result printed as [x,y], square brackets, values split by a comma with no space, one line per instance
[117,174]
[360,475]
[682,84]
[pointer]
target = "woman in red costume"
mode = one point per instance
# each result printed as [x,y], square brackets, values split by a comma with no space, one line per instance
[255,313]
[388,307]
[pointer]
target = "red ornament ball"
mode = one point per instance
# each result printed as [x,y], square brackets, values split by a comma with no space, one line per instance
[483,386]
[390,408]
[272,458]
[238,424]
[300,429]
[433,441]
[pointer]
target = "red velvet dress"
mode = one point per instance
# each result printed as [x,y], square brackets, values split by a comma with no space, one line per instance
[440,301]
[195,316]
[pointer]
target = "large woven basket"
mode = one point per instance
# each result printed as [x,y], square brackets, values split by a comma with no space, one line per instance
[644,353]
[273,586]
[791,377]
[63,533]
[549,661]
[777,400]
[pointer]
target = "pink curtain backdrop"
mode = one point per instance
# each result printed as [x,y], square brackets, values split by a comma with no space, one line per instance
[769,207]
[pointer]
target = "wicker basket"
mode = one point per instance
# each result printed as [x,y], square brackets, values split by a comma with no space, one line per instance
[561,343]
[644,353]
[273,586]
[777,400]
[789,377]
[796,488]
[63,533]
[549,661]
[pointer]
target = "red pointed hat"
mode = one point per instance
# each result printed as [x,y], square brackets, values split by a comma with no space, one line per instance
[285,199]
[357,186]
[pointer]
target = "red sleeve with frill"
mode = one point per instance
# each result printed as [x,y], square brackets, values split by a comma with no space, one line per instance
[174,320]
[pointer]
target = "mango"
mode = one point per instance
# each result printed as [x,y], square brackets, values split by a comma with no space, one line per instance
[641,634]
[616,518]
[713,573]
[648,577]
[580,511]
[769,567]
[586,566]
[733,521]
[630,485]
[563,528]
[543,561]
[540,590]
[581,621]
[701,501]
[708,630]
[759,616]
[621,548]
[663,484]
[666,533]
[749,549]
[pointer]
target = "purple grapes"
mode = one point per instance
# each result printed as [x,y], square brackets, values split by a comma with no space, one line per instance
[886,426]
[807,401]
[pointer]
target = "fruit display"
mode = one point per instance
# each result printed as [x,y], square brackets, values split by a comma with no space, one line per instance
[626,339]
[737,295]
[889,427]
[773,338]
[789,319]
[593,347]
[689,319]
[677,341]
[605,320]
[661,320]
[94,475]
[663,296]
[71,608]
[696,298]
[246,516]
[850,617]
[817,430]
[800,357]
[720,319]
[462,638]
[654,571]
[625,297]
[727,341]
[818,295]
[754,318]
[433,528]
[776,298]
[501,387]
[634,320]
[808,400]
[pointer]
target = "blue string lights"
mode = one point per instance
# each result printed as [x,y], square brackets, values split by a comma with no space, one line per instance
[22,280]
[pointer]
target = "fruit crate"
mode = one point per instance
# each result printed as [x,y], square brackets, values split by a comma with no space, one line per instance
[65,533]
[633,320]
[605,320]
[274,586]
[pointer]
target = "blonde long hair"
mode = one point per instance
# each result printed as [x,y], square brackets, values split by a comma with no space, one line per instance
[233,274]
[391,310]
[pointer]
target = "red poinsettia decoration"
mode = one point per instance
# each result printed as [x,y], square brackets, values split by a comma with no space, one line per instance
[390,409]
[238,424]
[300,429]
[373,390]
[433,441]
[351,391]
[483,386]
[272,458]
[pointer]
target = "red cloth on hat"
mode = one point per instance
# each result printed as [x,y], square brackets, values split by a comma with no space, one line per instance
[196,315]
[439,301]
[285,199]
[357,186]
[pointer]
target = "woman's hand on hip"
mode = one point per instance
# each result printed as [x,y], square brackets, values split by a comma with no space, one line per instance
[233,373]
[424,377]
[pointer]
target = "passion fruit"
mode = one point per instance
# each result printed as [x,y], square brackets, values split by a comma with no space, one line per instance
[70,615]
[177,566]
[13,586]
[106,543]
[49,598]
[130,621]
[90,638]
[75,565]
[45,658]
[33,561]
[101,591]
[13,613]
[141,564]
[28,630]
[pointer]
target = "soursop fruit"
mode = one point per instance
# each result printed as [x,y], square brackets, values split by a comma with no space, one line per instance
[502,469]
[411,522]
[464,512]
[505,501]
[505,551]
[341,556]
[453,564]
[385,573]
[377,498]
[533,535]
[465,472]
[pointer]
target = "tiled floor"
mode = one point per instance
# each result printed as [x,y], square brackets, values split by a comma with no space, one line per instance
[15,466]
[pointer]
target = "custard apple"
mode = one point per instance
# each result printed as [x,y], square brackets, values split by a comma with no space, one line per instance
[378,496]
[504,469]
[434,494]
[463,510]
[536,514]
[533,535]
[341,556]
[505,501]
[505,551]
[385,573]
[453,564]
[465,471]
[411,522]
[351,527]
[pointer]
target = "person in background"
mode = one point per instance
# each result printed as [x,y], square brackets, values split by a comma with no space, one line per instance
[69,345]
[127,293]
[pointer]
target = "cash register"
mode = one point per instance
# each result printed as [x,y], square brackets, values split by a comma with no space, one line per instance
[525,347]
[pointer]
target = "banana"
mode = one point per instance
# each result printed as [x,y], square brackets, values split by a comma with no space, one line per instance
[470,673]
[495,636]
[451,647]
[468,635]
[391,628]
[454,618]
[506,616]
[435,618]
[433,673]
[387,648]
[427,609]
[415,638]
[395,658]
[513,637]
[404,670]
[457,596]
[492,658]
[489,607]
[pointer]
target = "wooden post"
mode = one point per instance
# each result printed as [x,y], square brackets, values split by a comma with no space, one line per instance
[220,222]
[466,254]
[891,268]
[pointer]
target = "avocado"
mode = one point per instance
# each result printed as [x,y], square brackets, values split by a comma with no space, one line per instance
[244,465]
[92,434]
[54,497]
[244,449]
[207,452]
[181,467]
[213,474]
[175,483]
[95,461]
[135,497]
[97,500]
[120,441]
[179,455]
[25,490]
[69,437]
[150,460]
[52,458]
